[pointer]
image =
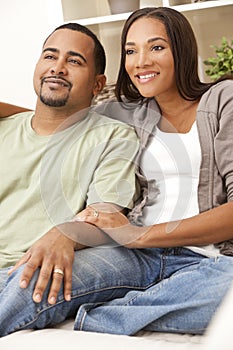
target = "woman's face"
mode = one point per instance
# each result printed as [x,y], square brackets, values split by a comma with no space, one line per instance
[149,60]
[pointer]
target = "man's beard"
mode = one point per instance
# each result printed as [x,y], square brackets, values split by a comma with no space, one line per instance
[52,102]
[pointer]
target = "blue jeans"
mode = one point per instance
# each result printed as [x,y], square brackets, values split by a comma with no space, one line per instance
[118,290]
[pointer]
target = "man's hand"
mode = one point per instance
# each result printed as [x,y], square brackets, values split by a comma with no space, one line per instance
[53,252]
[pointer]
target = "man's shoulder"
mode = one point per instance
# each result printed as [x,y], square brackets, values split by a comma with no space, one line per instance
[110,123]
[18,116]
[104,119]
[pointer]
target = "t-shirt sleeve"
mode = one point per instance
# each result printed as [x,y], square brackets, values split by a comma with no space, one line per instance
[114,179]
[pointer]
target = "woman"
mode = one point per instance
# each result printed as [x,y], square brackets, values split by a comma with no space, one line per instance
[185,127]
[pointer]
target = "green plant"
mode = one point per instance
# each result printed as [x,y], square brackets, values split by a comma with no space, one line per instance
[223,62]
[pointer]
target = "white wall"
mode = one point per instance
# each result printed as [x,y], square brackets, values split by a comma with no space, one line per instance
[23,27]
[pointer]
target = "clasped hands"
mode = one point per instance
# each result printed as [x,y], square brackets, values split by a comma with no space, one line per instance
[54,252]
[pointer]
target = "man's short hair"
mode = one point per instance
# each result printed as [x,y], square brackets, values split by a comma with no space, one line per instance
[99,53]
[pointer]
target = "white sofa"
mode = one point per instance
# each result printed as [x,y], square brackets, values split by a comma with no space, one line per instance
[217,337]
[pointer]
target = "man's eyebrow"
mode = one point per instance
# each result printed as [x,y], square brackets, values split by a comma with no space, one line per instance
[50,49]
[151,40]
[70,53]
[77,54]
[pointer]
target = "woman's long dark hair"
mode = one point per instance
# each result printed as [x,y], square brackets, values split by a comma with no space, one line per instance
[184,49]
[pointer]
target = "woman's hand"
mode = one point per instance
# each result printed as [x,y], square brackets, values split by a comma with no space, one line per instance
[109,218]
[104,216]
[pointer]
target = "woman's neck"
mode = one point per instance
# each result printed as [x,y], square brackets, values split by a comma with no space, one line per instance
[178,116]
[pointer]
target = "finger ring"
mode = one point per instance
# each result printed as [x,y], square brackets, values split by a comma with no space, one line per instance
[57,270]
[96,214]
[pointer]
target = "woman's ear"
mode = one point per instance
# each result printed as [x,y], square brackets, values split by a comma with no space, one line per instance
[99,84]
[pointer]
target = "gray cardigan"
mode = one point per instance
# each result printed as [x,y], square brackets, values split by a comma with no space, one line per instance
[215,127]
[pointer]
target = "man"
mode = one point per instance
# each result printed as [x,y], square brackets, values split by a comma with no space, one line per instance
[55,162]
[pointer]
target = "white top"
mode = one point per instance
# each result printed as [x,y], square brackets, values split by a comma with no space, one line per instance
[174,160]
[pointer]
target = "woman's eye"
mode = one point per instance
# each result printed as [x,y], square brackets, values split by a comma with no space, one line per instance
[157,48]
[129,51]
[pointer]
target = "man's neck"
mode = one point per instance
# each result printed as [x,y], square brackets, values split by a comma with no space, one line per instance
[48,120]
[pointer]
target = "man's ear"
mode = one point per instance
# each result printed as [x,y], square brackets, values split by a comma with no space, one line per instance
[99,84]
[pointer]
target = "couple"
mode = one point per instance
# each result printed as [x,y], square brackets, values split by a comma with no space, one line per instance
[105,261]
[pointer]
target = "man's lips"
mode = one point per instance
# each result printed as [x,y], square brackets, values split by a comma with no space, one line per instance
[56,81]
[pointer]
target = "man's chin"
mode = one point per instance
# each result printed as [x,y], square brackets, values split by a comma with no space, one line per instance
[53,103]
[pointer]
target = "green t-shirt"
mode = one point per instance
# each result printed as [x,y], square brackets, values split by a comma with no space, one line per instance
[46,180]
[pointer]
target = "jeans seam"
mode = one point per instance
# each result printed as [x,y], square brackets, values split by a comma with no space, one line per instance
[46,307]
[39,312]
[82,320]
[159,286]
[133,287]
[163,261]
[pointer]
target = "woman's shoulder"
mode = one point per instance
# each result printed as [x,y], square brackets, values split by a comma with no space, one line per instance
[127,111]
[225,86]
[217,95]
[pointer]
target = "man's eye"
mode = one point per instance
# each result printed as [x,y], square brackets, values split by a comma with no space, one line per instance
[49,57]
[74,61]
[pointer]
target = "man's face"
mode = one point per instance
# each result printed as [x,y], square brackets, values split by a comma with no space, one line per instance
[65,74]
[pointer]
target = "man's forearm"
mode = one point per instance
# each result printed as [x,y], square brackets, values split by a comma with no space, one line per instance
[83,234]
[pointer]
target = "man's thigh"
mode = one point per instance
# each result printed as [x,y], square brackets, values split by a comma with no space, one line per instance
[3,277]
[105,267]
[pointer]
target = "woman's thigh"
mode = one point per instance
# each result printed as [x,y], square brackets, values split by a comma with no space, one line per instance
[185,302]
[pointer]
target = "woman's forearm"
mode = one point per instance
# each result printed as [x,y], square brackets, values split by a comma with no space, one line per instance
[84,234]
[212,226]
[7,109]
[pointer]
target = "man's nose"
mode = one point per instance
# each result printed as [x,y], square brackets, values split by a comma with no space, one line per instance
[59,68]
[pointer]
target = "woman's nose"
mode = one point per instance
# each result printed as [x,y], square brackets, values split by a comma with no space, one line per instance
[143,59]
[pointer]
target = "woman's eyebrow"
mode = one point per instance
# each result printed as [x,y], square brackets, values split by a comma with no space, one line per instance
[155,39]
[151,40]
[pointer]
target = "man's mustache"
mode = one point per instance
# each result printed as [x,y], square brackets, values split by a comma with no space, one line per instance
[57,79]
